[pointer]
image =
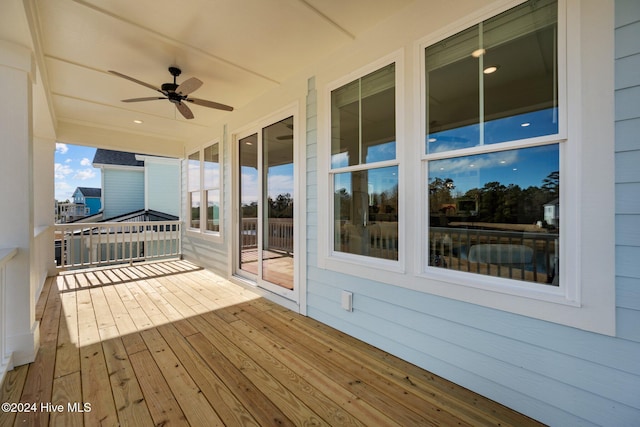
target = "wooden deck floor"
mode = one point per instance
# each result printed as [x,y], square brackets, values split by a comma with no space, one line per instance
[171,344]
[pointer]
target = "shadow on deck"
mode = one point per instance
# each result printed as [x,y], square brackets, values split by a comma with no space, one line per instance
[171,343]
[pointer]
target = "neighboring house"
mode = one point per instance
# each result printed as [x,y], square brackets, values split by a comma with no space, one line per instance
[133,182]
[86,202]
[342,152]
[90,198]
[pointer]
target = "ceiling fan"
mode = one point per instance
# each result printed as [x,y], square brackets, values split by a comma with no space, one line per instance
[177,94]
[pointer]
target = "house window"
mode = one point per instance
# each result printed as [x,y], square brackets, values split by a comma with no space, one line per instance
[204,189]
[493,148]
[211,189]
[364,166]
[193,188]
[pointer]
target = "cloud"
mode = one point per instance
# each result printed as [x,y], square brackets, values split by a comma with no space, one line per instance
[61,148]
[84,174]
[85,162]
[68,161]
[280,184]
[61,171]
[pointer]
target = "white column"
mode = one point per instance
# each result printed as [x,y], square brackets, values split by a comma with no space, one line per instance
[16,189]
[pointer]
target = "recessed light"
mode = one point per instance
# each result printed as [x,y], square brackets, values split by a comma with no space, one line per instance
[138,122]
[502,162]
[515,169]
[524,125]
[478,53]
[432,139]
[471,165]
[249,143]
[490,69]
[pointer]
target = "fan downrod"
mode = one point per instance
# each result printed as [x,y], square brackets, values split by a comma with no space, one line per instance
[171,87]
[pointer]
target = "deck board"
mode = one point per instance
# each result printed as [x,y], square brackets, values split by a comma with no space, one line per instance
[179,345]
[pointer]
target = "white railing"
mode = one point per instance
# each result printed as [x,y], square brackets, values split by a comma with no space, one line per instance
[104,243]
[279,235]
[5,257]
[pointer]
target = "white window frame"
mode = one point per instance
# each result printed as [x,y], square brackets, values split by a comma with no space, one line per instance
[361,264]
[202,231]
[586,297]
[582,299]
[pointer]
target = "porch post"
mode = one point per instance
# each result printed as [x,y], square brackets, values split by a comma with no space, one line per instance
[17,70]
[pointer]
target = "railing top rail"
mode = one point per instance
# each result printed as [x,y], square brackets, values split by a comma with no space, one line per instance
[525,234]
[115,224]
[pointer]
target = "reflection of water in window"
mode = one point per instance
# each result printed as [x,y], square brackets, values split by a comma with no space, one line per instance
[521,126]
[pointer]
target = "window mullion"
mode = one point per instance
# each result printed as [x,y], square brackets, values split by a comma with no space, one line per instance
[481,85]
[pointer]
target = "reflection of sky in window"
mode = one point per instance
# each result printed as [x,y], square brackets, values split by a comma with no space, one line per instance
[211,175]
[525,167]
[379,180]
[193,171]
[375,153]
[280,180]
[521,126]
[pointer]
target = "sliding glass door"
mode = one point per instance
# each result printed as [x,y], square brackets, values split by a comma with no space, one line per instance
[266,212]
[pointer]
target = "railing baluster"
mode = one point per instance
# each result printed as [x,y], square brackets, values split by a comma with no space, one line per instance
[156,239]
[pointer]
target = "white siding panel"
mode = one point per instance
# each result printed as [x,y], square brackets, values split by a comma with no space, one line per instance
[123,191]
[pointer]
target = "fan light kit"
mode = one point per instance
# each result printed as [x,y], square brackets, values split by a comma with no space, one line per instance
[176,94]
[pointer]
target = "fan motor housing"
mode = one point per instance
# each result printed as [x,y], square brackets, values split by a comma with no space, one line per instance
[169,87]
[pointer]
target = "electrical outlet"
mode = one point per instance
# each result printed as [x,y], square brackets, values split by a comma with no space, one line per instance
[347,300]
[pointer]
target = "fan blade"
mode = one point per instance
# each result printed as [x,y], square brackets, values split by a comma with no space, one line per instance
[210,104]
[151,98]
[184,110]
[188,86]
[150,86]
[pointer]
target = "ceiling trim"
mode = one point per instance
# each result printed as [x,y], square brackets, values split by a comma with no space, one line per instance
[175,42]
[328,19]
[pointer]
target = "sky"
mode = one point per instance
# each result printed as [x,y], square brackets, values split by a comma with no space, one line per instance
[73,168]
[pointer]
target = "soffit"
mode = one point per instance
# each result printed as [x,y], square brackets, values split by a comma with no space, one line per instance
[239,48]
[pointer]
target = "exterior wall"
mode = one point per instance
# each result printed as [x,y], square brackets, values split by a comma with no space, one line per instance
[93,203]
[163,187]
[122,191]
[627,56]
[203,250]
[557,374]
[554,373]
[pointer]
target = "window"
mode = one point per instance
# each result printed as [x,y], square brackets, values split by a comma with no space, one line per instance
[211,189]
[493,147]
[204,189]
[193,188]
[364,166]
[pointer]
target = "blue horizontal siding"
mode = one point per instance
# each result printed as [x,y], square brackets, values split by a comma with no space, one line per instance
[163,187]
[560,375]
[123,191]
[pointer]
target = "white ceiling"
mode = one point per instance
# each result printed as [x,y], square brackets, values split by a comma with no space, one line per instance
[238,48]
